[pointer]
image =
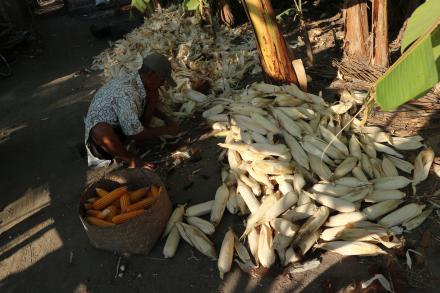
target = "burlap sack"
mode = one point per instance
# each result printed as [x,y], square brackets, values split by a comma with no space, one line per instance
[138,235]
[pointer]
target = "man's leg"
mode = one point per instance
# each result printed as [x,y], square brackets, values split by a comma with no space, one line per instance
[104,135]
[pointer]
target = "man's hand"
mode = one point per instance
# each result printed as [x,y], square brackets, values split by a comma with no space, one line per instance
[138,163]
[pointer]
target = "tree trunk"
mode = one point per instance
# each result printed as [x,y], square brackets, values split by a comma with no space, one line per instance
[271,46]
[356,29]
[380,33]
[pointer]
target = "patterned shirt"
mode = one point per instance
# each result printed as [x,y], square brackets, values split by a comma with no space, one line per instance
[119,102]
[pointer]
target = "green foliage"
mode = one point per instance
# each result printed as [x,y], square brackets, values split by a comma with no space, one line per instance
[191,5]
[418,69]
[421,20]
[140,5]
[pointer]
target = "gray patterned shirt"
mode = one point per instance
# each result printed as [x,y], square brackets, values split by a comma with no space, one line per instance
[119,102]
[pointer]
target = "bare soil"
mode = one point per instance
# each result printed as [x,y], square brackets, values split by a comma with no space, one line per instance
[43,246]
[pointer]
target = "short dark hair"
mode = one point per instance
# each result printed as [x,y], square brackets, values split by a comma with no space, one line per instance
[145,69]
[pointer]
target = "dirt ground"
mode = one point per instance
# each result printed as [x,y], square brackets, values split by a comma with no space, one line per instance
[43,246]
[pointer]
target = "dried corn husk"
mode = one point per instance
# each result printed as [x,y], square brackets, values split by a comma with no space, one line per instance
[273,167]
[345,218]
[394,182]
[382,195]
[296,150]
[199,209]
[386,149]
[226,255]
[320,168]
[402,215]
[332,189]
[248,196]
[418,220]
[221,198]
[352,248]
[170,247]
[359,174]
[312,224]
[197,239]
[334,203]
[241,250]
[175,217]
[307,242]
[266,253]
[284,227]
[253,241]
[388,167]
[377,210]
[205,226]
[422,165]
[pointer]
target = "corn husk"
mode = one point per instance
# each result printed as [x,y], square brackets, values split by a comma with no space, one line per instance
[296,150]
[226,254]
[241,250]
[266,253]
[382,195]
[345,218]
[388,168]
[175,217]
[394,182]
[331,189]
[352,248]
[334,203]
[273,167]
[307,242]
[375,211]
[312,224]
[248,196]
[281,205]
[418,220]
[253,241]
[359,174]
[260,213]
[422,165]
[401,215]
[170,247]
[334,140]
[403,165]
[320,168]
[205,226]
[355,147]
[284,227]
[386,149]
[221,198]
[232,203]
[197,239]
[199,209]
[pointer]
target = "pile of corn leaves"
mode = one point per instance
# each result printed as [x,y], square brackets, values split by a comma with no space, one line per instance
[302,173]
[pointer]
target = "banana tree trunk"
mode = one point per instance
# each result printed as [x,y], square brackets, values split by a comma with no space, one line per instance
[356,29]
[272,49]
[380,33]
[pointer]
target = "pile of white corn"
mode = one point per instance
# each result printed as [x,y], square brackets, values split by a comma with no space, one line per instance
[305,174]
[194,52]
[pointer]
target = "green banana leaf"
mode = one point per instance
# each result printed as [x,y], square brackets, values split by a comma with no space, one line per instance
[417,70]
[140,5]
[191,5]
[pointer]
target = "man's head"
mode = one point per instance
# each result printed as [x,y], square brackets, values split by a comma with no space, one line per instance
[156,70]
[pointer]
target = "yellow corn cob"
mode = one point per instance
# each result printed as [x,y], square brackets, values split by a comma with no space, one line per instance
[142,204]
[121,218]
[113,211]
[156,190]
[125,202]
[137,194]
[92,213]
[92,199]
[88,206]
[99,222]
[107,200]
[101,192]
[103,214]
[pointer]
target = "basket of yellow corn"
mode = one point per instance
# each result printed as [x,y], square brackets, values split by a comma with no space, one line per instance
[125,211]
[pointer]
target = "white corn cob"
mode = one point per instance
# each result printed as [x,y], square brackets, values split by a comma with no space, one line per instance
[418,220]
[394,182]
[300,212]
[341,107]
[334,140]
[260,177]
[281,241]
[234,159]
[265,123]
[291,256]
[175,217]
[332,189]
[303,199]
[358,173]
[351,182]
[352,248]
[226,254]
[377,168]
[261,102]
[312,224]
[266,253]
[287,124]
[279,150]
[345,167]
[284,227]
[345,218]
[373,234]
[213,111]
[382,195]
[334,203]
[306,128]
[232,204]
[368,146]
[199,209]
[307,242]
[382,208]
[205,226]
[388,167]
[313,150]
[195,96]
[274,167]
[356,195]
[266,204]
[296,150]
[197,239]
[355,147]
[298,182]
[173,239]
[407,143]
[266,88]
[422,165]
[403,165]
[401,215]
[218,118]
[241,250]
[292,112]
[221,198]
[250,156]
[379,136]
[242,207]
[366,166]
[252,183]
[258,137]
[287,101]
[248,123]
[281,205]
[253,240]
[386,149]
[245,109]
[320,168]
[248,196]
[245,136]
[333,233]
[309,113]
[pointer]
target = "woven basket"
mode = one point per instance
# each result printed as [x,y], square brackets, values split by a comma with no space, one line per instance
[138,235]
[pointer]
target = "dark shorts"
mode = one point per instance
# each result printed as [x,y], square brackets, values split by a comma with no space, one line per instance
[97,151]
